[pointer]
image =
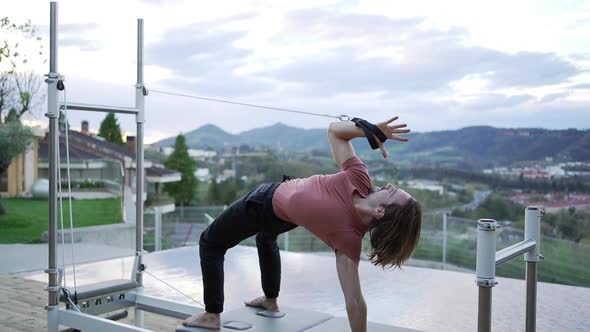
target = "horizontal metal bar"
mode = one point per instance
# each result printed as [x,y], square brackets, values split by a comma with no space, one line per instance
[81,321]
[514,250]
[163,307]
[99,108]
[113,317]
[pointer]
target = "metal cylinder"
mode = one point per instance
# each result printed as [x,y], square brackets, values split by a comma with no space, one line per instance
[139,195]
[485,271]
[486,252]
[52,114]
[531,296]
[139,151]
[140,50]
[484,312]
[532,231]
[53,37]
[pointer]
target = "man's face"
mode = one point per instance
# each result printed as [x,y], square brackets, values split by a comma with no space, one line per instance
[388,195]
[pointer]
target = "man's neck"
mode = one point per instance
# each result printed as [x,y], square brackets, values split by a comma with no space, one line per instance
[362,209]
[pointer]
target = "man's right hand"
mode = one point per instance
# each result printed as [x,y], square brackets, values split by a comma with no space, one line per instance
[391,131]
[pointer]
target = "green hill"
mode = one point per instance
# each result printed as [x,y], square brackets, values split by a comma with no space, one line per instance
[471,147]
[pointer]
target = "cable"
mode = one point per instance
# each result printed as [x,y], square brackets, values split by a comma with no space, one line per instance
[341,117]
[176,289]
[69,184]
[61,212]
[65,119]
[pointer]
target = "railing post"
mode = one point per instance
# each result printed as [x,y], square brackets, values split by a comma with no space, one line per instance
[444,248]
[140,93]
[53,286]
[485,271]
[532,231]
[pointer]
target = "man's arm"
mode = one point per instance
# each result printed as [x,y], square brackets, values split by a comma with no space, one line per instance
[351,288]
[340,134]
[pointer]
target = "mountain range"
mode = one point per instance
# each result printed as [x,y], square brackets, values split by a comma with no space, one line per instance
[480,146]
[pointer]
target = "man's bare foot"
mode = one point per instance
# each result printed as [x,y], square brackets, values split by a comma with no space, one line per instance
[204,319]
[264,302]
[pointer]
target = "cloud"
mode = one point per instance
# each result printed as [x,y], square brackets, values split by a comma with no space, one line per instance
[74,35]
[161,2]
[495,101]
[553,97]
[531,69]
[583,86]
[203,59]
[361,64]
[424,59]
[77,28]
[81,43]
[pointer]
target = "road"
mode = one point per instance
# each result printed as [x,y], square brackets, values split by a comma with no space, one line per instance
[478,197]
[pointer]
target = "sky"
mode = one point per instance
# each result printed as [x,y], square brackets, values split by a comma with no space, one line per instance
[438,65]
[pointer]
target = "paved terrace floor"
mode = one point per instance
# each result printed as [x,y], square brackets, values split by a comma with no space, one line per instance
[417,298]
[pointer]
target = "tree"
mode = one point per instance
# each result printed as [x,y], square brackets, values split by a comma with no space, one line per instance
[183,191]
[14,140]
[230,193]
[213,195]
[20,88]
[110,130]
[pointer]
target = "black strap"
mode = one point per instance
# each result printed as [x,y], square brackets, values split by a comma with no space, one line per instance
[369,135]
[380,135]
[370,131]
[374,129]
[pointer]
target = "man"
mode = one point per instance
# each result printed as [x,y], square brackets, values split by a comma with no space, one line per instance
[338,208]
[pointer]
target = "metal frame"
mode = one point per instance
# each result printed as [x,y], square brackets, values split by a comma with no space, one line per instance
[488,259]
[100,108]
[85,319]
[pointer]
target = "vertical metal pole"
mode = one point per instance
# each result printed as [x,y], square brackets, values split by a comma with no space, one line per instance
[531,296]
[484,318]
[52,113]
[139,119]
[485,271]
[444,248]
[532,231]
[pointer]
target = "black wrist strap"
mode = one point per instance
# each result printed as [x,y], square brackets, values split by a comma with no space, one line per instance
[374,129]
[368,133]
[380,135]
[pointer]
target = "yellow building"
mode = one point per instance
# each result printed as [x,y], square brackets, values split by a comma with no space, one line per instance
[23,171]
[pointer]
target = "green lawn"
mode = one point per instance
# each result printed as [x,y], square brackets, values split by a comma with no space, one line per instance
[26,219]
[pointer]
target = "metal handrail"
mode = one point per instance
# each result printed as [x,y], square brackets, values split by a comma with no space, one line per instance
[488,259]
[513,251]
[99,108]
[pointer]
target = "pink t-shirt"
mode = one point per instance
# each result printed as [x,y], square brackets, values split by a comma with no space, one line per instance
[323,204]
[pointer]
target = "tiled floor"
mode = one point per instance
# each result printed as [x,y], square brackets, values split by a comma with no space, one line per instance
[418,298]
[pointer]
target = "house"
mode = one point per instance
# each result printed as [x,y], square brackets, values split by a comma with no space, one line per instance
[111,167]
[157,200]
[203,174]
[23,171]
[430,185]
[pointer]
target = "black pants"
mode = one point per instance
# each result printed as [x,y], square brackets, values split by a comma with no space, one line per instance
[249,215]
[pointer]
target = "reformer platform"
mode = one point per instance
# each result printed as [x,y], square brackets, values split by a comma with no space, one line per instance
[341,324]
[295,320]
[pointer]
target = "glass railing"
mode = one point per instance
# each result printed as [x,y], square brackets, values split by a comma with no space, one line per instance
[453,248]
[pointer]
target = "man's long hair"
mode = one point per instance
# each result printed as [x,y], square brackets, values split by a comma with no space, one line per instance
[395,236]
